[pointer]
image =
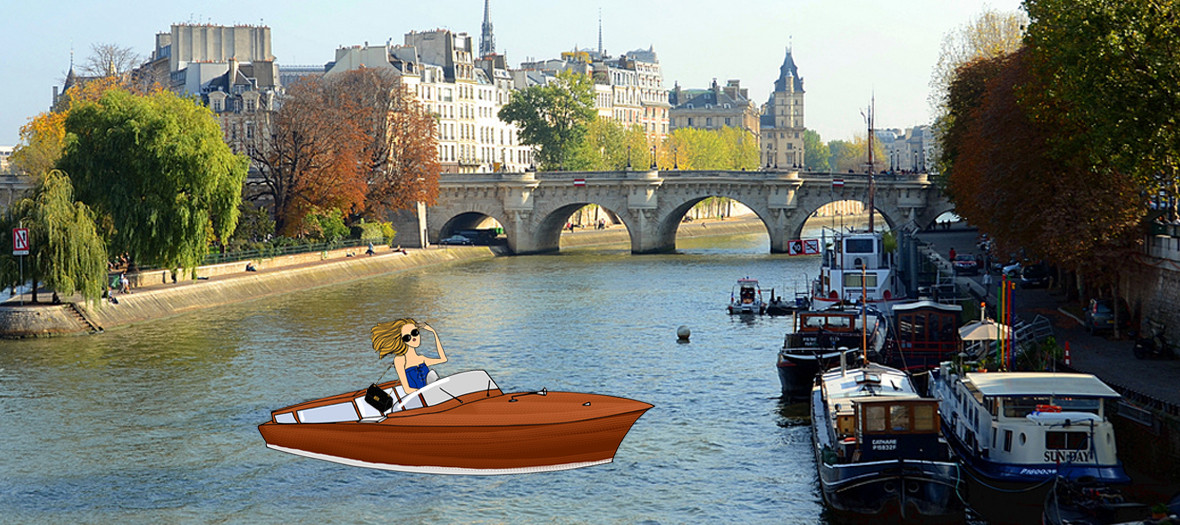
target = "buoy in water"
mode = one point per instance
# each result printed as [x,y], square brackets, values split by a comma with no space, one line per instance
[683,333]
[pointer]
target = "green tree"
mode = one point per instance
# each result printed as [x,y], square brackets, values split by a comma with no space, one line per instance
[815,151]
[156,170]
[741,148]
[1115,66]
[553,117]
[66,254]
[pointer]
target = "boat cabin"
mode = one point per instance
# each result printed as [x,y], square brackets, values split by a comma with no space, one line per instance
[747,291]
[926,334]
[352,407]
[829,329]
[1031,418]
[890,427]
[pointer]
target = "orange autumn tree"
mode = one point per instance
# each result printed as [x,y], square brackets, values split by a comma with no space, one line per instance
[1007,180]
[355,141]
[401,152]
[308,158]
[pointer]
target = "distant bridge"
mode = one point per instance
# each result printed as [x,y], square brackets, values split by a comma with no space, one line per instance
[534,206]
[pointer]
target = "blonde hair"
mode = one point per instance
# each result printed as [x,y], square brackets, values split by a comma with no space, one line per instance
[387,337]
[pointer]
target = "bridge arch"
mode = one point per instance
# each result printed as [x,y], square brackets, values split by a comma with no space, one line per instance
[669,223]
[532,206]
[547,233]
[809,213]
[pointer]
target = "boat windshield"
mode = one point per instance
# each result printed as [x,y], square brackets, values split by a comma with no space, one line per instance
[852,280]
[1025,405]
[451,387]
[858,245]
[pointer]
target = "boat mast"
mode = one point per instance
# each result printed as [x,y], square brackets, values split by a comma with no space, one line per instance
[872,179]
[864,317]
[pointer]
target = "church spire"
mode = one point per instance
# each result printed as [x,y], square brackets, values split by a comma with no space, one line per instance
[487,42]
[600,34]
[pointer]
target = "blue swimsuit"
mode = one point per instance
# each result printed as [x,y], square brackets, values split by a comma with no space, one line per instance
[416,375]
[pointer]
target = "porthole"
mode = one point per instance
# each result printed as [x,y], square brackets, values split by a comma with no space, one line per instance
[1022,438]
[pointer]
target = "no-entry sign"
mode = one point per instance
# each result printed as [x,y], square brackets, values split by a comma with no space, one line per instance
[20,241]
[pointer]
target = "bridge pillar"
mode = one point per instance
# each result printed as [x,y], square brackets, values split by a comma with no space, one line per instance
[642,203]
[783,202]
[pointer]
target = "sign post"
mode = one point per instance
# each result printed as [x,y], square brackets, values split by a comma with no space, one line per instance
[20,247]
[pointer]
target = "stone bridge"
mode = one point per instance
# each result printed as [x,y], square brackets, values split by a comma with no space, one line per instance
[534,206]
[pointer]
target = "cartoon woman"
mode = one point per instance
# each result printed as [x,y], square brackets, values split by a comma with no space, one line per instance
[402,338]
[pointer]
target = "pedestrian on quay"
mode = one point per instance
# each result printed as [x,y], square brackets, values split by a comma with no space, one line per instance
[124,284]
[952,259]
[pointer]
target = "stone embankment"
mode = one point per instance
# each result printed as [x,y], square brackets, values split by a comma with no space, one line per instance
[157,294]
[154,295]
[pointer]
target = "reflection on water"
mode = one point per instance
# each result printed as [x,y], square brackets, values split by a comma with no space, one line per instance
[157,422]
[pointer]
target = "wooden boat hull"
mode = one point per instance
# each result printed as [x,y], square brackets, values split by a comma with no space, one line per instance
[474,434]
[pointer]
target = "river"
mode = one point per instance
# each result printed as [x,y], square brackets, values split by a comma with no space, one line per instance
[157,422]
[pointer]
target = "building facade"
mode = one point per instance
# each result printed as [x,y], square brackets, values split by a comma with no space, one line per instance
[463,93]
[909,151]
[782,120]
[628,89]
[230,68]
[714,108]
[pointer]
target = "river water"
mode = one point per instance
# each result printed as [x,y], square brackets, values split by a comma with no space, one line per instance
[157,422]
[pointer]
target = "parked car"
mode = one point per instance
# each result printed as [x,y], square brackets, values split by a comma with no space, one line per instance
[455,239]
[1100,315]
[1034,276]
[965,264]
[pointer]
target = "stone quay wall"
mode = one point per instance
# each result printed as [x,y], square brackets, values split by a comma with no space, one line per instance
[155,296]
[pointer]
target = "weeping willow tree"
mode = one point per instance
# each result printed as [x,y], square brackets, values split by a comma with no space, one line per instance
[66,254]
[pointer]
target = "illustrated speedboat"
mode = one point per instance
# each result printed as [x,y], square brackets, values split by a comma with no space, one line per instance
[459,424]
[878,448]
[747,299]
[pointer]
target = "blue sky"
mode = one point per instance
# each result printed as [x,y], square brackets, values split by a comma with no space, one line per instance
[846,50]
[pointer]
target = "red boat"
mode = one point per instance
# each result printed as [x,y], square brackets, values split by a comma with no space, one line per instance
[460,424]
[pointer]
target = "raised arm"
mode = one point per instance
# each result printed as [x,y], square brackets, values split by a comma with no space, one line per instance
[442,355]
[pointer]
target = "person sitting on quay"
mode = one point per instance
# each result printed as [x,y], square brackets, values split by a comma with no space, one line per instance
[250,267]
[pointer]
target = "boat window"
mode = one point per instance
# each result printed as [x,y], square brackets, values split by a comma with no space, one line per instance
[875,419]
[858,246]
[1073,404]
[1022,406]
[839,322]
[899,418]
[1067,440]
[924,418]
[1007,441]
[813,322]
[852,280]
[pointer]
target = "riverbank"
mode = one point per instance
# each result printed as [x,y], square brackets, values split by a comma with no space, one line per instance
[154,296]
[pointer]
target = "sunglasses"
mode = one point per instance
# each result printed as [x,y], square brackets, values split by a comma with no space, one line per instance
[406,337]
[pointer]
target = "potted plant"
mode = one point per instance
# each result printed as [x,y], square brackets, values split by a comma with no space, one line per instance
[1159,511]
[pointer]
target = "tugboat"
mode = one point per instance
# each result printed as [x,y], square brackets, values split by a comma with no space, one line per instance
[856,264]
[819,340]
[1016,432]
[878,448]
[746,298]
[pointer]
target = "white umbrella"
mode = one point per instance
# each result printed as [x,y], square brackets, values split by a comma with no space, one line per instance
[983,331]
